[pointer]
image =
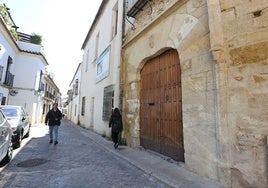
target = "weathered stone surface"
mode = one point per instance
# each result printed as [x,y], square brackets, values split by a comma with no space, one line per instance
[249,54]
[189,35]
[250,160]
[222,46]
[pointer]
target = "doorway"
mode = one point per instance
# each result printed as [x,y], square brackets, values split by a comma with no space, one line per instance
[161,106]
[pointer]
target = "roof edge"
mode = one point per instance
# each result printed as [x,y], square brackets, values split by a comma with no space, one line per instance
[104,2]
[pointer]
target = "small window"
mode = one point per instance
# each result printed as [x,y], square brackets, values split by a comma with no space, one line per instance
[87,60]
[2,119]
[83,106]
[108,102]
[3,102]
[1,72]
[44,109]
[114,20]
[76,87]
[97,45]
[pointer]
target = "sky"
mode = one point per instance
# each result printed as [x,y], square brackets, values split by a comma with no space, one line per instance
[63,25]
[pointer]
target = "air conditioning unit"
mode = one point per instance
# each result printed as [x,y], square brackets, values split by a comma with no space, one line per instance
[13,92]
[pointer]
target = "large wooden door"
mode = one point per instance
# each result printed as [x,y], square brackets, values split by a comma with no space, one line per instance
[161,106]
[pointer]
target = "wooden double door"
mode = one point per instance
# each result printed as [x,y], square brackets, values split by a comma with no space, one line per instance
[161,106]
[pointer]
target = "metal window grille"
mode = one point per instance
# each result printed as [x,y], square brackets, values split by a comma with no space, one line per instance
[108,102]
[83,106]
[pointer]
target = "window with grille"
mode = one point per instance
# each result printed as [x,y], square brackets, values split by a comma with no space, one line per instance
[108,102]
[83,106]
[76,87]
[97,40]
[44,109]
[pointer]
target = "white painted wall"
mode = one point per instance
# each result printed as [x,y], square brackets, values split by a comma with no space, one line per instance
[26,67]
[25,70]
[7,49]
[89,88]
[25,98]
[74,104]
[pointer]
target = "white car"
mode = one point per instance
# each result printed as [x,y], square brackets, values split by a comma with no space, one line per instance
[18,118]
[6,146]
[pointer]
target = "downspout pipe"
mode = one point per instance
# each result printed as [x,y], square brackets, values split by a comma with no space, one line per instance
[120,63]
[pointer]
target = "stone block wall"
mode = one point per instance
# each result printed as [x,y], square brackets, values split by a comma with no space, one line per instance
[181,25]
[222,46]
[245,34]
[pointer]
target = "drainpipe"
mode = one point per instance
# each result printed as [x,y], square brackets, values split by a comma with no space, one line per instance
[124,19]
[123,24]
[219,68]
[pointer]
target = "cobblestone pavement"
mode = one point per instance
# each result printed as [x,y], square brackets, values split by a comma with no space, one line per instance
[77,161]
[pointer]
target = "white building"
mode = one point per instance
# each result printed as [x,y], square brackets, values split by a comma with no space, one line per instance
[100,81]
[74,96]
[28,67]
[22,69]
[8,51]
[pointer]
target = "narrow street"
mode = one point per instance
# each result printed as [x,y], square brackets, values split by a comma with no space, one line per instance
[76,161]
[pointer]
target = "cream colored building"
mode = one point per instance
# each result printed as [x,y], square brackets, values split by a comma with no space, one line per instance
[100,69]
[218,93]
[49,95]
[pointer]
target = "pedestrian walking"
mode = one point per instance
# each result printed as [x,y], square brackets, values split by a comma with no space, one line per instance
[117,125]
[53,120]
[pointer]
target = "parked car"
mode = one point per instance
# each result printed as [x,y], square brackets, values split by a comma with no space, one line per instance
[6,146]
[19,121]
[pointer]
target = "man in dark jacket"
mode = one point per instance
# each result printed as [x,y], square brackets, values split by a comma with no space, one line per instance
[53,119]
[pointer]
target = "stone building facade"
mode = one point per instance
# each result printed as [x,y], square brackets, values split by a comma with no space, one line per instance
[222,50]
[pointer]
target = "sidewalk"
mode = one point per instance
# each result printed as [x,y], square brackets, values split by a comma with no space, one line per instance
[171,173]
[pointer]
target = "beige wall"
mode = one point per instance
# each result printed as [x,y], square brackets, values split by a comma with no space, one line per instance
[223,50]
[245,34]
[184,28]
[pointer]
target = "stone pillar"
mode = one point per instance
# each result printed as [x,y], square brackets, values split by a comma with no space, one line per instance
[220,79]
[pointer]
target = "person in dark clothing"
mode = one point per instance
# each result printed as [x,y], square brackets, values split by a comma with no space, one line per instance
[53,120]
[117,126]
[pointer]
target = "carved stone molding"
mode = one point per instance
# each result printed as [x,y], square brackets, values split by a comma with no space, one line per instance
[150,12]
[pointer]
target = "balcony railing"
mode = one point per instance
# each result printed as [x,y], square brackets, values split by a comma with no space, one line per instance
[130,4]
[9,79]
[49,95]
[133,7]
